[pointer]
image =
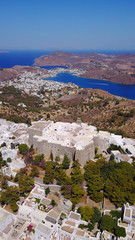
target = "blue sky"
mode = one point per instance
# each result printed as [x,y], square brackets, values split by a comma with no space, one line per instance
[67,24]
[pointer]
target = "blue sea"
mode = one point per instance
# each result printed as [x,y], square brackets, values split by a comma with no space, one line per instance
[26,58]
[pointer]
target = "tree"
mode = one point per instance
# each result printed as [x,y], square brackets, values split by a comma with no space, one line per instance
[12,146]
[38,158]
[60,176]
[48,115]
[120,232]
[3,144]
[31,148]
[76,175]
[53,203]
[47,190]
[34,172]
[108,223]
[90,226]
[95,185]
[115,181]
[14,206]
[9,160]
[115,147]
[66,162]
[42,163]
[25,184]
[96,150]
[10,196]
[86,213]
[76,193]
[116,214]
[4,182]
[23,148]
[91,168]
[57,159]
[96,215]
[20,174]
[49,173]
[51,156]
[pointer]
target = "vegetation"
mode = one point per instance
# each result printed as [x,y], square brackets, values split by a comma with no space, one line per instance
[2,162]
[38,158]
[76,193]
[9,160]
[115,147]
[116,214]
[25,184]
[10,196]
[34,172]
[86,213]
[47,190]
[3,144]
[91,215]
[120,232]
[112,180]
[53,203]
[115,181]
[66,162]
[110,224]
[76,175]
[23,148]
[49,173]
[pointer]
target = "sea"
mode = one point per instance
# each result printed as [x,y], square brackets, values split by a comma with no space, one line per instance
[26,58]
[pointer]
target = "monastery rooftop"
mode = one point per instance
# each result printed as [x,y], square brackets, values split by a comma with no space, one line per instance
[65,134]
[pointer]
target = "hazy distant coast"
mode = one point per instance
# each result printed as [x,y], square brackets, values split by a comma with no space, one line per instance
[3,51]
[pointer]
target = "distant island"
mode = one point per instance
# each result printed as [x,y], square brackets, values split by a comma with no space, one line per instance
[118,68]
[3,51]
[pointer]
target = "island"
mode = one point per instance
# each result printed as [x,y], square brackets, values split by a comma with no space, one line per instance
[118,68]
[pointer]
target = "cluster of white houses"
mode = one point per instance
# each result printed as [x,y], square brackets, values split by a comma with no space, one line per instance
[77,141]
[47,222]
[54,223]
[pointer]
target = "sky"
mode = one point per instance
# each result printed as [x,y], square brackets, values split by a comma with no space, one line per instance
[67,24]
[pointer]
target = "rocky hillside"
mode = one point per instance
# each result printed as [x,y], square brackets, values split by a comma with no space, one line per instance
[118,68]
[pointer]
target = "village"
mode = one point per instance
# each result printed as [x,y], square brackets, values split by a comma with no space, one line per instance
[43,212]
[34,83]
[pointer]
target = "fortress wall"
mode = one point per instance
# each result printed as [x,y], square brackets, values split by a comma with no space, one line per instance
[45,147]
[86,154]
[101,143]
[32,132]
[57,150]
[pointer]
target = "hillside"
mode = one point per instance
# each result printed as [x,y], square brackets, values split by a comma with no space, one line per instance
[12,73]
[118,68]
[96,107]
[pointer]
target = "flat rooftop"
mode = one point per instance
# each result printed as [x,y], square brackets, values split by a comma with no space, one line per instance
[68,229]
[45,201]
[74,216]
[44,229]
[128,213]
[65,134]
[40,125]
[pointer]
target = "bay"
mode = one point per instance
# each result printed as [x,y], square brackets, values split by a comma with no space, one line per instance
[26,58]
[122,90]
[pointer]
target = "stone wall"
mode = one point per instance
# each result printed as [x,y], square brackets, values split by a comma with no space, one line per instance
[101,143]
[44,147]
[32,132]
[86,154]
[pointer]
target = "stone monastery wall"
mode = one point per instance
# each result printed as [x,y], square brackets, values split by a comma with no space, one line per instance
[45,147]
